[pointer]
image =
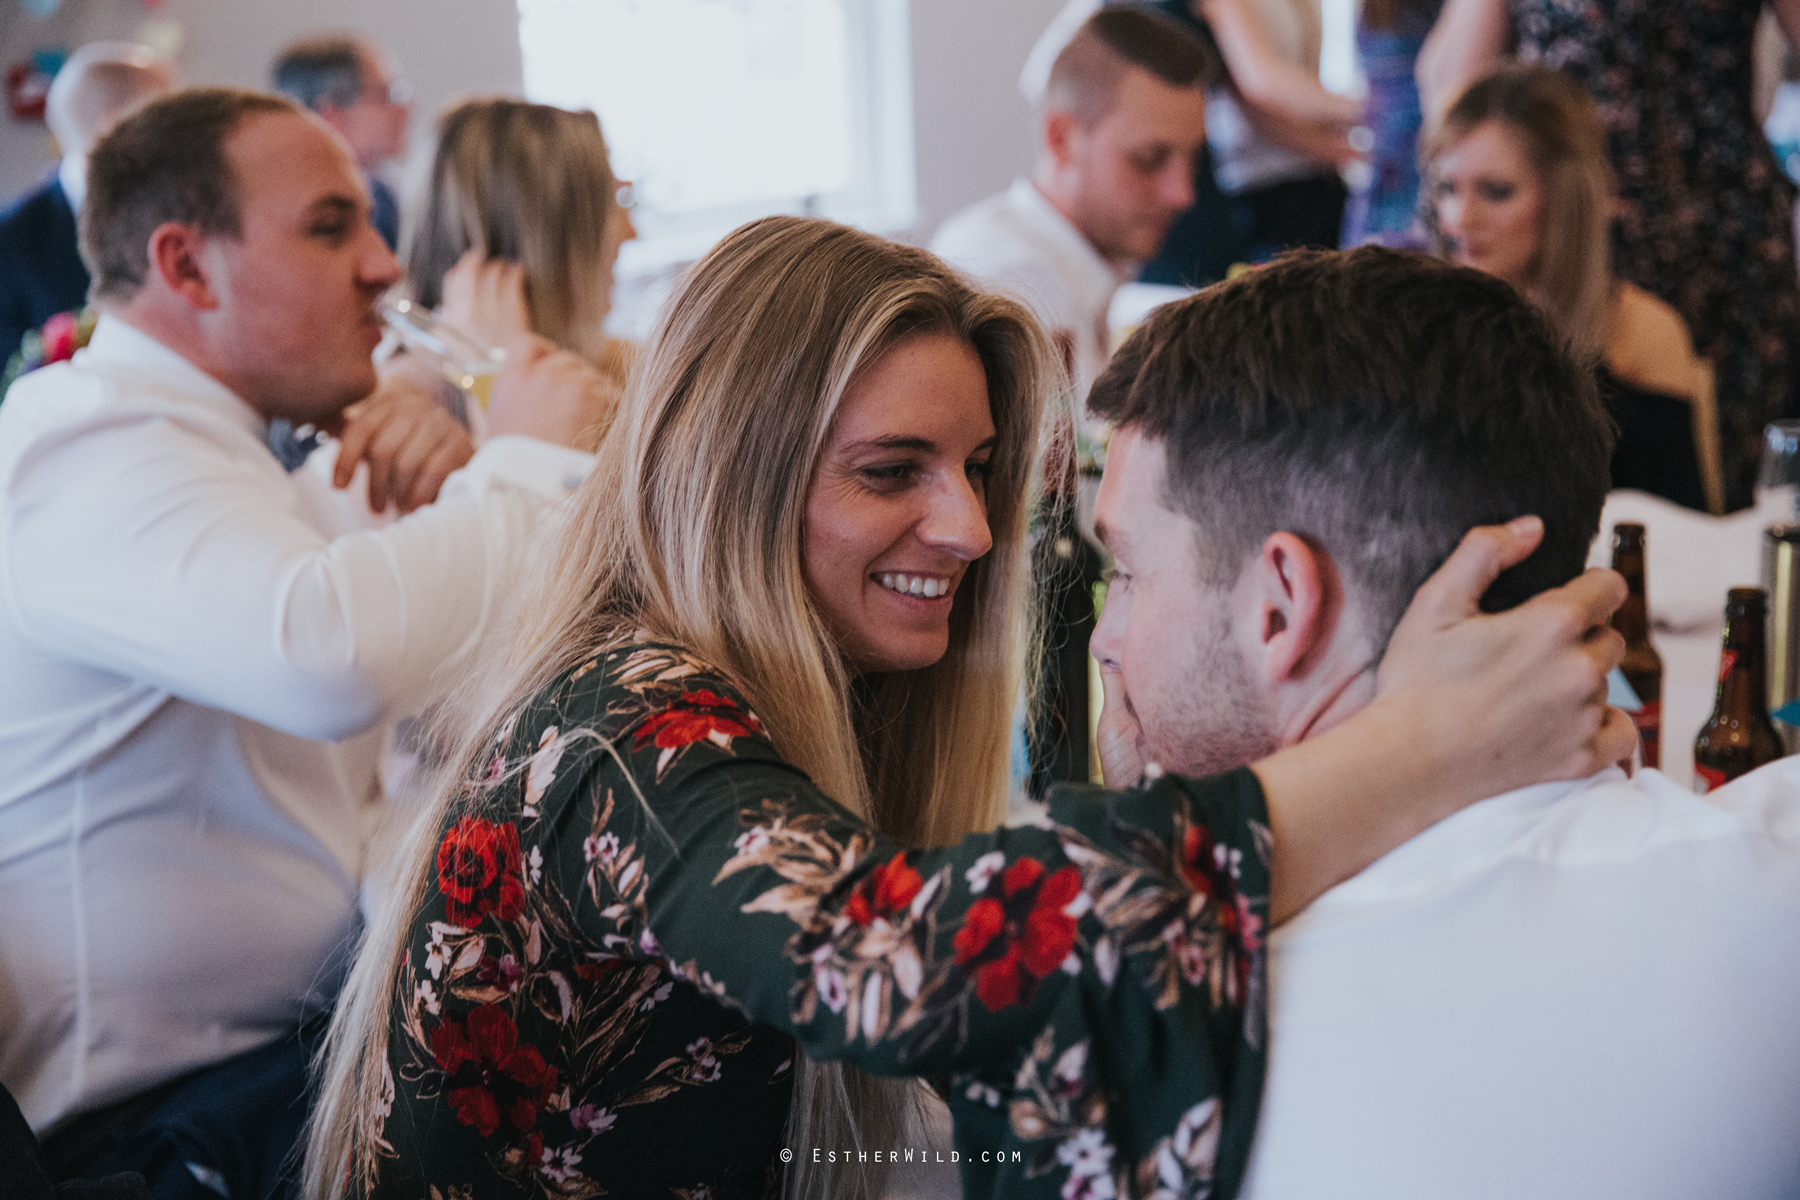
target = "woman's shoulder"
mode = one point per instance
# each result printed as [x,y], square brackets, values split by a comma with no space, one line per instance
[642,697]
[617,690]
[1649,346]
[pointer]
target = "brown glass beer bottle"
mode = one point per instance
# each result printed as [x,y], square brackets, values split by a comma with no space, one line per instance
[1643,666]
[1738,737]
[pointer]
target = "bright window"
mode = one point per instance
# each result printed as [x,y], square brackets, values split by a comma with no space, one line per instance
[720,111]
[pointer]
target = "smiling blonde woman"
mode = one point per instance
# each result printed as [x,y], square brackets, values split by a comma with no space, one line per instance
[639,949]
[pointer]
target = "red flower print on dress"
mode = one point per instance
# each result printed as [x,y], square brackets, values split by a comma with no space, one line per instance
[1202,867]
[884,892]
[490,1075]
[1011,941]
[479,872]
[701,715]
[694,716]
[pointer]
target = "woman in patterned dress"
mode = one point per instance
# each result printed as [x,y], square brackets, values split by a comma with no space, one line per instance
[1705,214]
[635,931]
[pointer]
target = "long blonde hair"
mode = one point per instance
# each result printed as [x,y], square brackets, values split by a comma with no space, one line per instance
[1564,138]
[526,182]
[690,529]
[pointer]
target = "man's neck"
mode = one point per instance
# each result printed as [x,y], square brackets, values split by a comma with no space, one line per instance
[176,334]
[1343,695]
[1059,200]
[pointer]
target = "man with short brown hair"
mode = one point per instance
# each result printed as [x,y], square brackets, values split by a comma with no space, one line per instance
[202,655]
[1574,991]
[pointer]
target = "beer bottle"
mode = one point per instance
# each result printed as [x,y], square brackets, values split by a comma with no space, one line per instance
[1643,666]
[1738,737]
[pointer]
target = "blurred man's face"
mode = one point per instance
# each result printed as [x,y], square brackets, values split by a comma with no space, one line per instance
[295,325]
[1171,635]
[1132,172]
[375,126]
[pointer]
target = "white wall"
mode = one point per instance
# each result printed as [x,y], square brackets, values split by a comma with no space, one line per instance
[446,47]
[972,130]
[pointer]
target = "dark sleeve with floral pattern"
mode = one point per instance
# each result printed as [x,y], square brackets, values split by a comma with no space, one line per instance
[1092,987]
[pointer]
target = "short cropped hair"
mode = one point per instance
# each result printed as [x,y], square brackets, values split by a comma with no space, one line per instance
[321,70]
[1084,80]
[1377,403]
[165,162]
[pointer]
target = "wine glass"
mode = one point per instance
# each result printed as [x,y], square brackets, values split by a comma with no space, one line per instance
[1778,482]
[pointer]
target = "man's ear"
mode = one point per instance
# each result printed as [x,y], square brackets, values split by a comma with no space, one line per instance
[1298,600]
[1060,131]
[177,256]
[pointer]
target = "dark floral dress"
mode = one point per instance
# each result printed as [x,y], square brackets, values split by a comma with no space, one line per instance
[1706,215]
[629,933]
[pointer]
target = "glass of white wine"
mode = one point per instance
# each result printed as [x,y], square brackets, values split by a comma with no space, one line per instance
[467,362]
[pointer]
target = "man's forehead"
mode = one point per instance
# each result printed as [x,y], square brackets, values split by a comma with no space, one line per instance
[291,159]
[1171,111]
[1132,494]
[375,65]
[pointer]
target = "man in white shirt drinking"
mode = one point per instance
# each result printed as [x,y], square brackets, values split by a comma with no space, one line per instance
[200,653]
[1577,990]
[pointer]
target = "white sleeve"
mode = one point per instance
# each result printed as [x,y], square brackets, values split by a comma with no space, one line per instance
[152,551]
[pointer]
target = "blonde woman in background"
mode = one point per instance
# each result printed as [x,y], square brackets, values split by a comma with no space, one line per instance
[639,950]
[1521,188]
[516,228]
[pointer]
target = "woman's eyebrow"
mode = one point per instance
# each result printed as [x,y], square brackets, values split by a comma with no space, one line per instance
[892,442]
[898,441]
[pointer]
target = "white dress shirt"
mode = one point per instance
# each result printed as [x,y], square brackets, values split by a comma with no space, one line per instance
[200,655]
[1018,242]
[1584,990]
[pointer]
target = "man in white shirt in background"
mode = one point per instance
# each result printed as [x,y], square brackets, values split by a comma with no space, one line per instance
[200,653]
[1584,990]
[1120,123]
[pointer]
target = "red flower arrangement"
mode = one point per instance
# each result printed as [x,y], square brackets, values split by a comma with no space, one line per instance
[478,865]
[696,716]
[491,1076]
[884,892]
[1011,941]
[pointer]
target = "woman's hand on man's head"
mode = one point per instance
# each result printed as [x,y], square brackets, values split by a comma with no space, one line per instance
[1521,693]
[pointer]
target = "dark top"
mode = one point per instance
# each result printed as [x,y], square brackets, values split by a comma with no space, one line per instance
[1705,213]
[604,991]
[1655,451]
[384,211]
[24,1175]
[41,273]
